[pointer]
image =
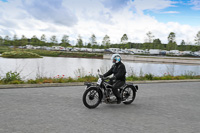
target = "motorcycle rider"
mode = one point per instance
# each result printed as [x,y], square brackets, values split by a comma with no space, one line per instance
[119,71]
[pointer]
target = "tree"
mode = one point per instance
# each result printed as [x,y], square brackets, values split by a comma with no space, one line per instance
[171,41]
[182,42]
[15,37]
[65,41]
[93,40]
[150,37]
[15,41]
[197,38]
[1,40]
[7,40]
[124,39]
[89,45]
[79,41]
[171,37]
[53,40]
[43,39]
[157,44]
[106,41]
[182,46]
[23,40]
[35,41]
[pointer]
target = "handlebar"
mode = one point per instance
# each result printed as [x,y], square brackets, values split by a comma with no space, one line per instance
[104,78]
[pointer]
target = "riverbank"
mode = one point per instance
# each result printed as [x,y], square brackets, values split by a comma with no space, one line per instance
[54,53]
[160,59]
[15,86]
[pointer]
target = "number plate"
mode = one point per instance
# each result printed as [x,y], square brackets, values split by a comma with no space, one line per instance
[99,81]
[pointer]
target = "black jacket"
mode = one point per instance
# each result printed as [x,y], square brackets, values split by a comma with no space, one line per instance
[119,71]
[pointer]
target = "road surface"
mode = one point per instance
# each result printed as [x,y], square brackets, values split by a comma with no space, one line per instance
[158,108]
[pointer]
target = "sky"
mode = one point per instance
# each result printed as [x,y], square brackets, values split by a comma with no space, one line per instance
[101,17]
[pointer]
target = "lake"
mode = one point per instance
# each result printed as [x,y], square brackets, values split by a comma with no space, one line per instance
[74,67]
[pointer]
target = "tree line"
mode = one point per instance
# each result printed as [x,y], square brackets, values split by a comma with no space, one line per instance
[150,42]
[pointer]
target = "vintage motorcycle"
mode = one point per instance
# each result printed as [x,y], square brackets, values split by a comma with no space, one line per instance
[102,92]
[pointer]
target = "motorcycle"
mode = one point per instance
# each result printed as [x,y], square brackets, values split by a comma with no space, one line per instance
[101,92]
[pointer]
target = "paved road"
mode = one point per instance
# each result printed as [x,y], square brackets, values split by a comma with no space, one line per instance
[158,108]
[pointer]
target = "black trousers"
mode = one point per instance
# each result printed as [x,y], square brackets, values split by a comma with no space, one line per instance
[116,85]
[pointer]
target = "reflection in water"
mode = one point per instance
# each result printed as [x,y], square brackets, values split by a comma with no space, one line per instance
[74,67]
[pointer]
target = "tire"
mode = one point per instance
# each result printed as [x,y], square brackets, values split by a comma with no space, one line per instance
[128,94]
[91,95]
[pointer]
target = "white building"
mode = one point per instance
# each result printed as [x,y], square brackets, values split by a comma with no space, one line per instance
[197,53]
[29,46]
[89,49]
[187,52]
[114,50]
[175,52]
[83,49]
[98,50]
[154,51]
[137,51]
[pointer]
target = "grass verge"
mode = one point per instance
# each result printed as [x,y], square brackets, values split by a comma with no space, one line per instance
[14,78]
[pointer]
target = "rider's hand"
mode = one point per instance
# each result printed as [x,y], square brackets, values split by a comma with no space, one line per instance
[113,78]
[101,76]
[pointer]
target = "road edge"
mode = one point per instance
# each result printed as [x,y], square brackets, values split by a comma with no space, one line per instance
[13,86]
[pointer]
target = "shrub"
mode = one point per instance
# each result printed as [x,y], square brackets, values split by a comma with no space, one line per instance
[167,77]
[11,77]
[132,78]
[16,82]
[31,81]
[70,79]
[156,78]
[48,81]
[148,76]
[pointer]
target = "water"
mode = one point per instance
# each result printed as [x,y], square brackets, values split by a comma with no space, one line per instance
[75,67]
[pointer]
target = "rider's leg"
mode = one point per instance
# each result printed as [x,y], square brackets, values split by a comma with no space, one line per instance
[117,85]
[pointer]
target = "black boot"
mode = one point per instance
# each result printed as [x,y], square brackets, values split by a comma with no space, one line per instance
[119,100]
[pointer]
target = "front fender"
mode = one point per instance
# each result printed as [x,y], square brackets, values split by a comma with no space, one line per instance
[98,89]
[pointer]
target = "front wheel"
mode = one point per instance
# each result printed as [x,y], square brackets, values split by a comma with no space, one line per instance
[128,94]
[91,98]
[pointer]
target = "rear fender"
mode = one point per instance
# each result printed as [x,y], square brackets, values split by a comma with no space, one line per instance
[132,86]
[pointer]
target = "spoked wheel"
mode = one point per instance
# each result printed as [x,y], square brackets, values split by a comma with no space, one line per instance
[128,94]
[91,98]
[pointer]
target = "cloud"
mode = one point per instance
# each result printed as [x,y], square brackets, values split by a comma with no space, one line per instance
[141,5]
[196,4]
[5,32]
[115,5]
[50,11]
[4,0]
[171,12]
[99,17]
[10,17]
[90,10]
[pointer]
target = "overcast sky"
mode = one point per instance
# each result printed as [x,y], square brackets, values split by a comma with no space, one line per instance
[100,17]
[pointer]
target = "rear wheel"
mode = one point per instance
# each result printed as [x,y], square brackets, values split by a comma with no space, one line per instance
[128,94]
[91,98]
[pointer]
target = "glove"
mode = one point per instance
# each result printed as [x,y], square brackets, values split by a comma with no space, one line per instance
[102,76]
[113,78]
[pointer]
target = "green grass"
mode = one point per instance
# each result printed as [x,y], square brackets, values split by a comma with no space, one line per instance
[4,49]
[54,53]
[66,54]
[20,54]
